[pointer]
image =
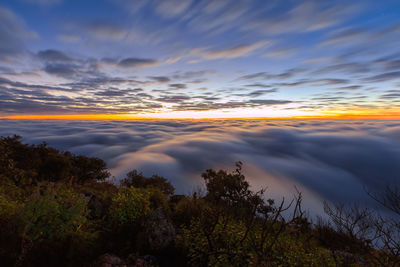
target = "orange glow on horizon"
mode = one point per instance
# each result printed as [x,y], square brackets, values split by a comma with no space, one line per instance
[388,116]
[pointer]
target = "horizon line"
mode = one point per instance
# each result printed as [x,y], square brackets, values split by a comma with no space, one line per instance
[131,117]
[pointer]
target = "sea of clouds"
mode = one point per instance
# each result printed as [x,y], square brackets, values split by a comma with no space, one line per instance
[329,160]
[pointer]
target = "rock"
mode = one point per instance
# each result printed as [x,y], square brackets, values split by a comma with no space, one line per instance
[94,205]
[159,231]
[109,260]
[142,261]
[146,261]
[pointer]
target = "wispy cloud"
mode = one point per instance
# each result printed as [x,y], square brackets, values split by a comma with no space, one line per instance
[13,32]
[233,52]
[44,2]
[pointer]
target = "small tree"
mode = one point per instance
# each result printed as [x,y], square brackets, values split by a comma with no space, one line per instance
[138,180]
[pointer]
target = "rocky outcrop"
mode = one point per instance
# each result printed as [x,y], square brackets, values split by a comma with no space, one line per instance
[159,232]
[109,260]
[95,206]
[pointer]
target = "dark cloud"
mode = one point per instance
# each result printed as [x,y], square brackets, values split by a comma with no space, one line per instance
[53,55]
[112,92]
[179,75]
[261,92]
[257,93]
[269,102]
[161,79]
[329,81]
[145,95]
[178,85]
[62,70]
[213,105]
[173,98]
[326,159]
[39,99]
[347,68]
[137,62]
[350,87]
[384,77]
[392,65]
[260,85]
[391,96]
[269,76]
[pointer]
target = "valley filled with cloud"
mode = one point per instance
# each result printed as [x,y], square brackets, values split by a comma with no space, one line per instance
[334,160]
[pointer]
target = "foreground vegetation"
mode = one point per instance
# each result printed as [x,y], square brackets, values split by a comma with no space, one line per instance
[58,209]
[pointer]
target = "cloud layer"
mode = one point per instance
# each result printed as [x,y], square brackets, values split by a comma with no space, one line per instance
[332,160]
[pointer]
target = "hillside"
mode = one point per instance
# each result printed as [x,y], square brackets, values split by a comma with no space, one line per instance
[60,209]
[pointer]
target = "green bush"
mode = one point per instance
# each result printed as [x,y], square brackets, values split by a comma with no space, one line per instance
[135,179]
[10,225]
[217,247]
[128,205]
[27,165]
[188,209]
[157,199]
[228,242]
[54,214]
[51,224]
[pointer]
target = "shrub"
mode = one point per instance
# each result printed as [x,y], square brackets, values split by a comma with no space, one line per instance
[48,226]
[188,209]
[135,179]
[28,164]
[9,230]
[54,214]
[228,187]
[157,199]
[128,205]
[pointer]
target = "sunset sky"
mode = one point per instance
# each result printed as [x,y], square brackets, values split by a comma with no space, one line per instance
[199,59]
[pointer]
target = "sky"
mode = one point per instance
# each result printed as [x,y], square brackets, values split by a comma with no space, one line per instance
[199,59]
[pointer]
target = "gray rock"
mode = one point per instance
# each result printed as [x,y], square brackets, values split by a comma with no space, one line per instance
[159,232]
[109,260]
[142,261]
[94,205]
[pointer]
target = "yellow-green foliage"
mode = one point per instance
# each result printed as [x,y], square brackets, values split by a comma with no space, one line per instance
[157,198]
[104,191]
[55,214]
[221,248]
[187,209]
[9,189]
[128,205]
[228,243]
[51,219]
[293,250]
[8,207]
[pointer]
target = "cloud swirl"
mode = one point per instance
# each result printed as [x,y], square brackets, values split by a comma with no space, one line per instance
[332,160]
